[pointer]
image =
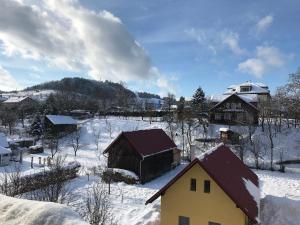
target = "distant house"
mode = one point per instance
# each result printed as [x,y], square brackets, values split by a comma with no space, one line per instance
[2,98]
[239,104]
[14,102]
[59,124]
[235,109]
[5,152]
[148,153]
[250,90]
[216,189]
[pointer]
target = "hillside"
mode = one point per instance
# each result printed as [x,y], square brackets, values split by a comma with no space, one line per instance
[92,88]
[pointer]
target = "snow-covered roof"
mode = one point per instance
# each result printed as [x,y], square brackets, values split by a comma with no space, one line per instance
[59,119]
[246,97]
[256,88]
[27,212]
[4,150]
[224,129]
[15,99]
[217,97]
[3,140]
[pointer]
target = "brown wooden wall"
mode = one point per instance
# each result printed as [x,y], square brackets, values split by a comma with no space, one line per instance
[247,112]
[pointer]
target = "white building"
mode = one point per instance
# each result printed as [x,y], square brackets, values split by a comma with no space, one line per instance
[5,152]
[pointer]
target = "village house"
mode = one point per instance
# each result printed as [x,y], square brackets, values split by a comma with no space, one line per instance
[14,102]
[147,153]
[239,104]
[216,189]
[235,109]
[5,152]
[59,124]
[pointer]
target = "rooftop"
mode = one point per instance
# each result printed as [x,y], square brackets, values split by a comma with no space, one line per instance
[61,120]
[147,142]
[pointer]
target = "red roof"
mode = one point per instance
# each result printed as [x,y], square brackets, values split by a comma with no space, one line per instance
[147,142]
[229,172]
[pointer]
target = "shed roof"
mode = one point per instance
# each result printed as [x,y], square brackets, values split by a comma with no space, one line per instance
[147,142]
[229,172]
[61,120]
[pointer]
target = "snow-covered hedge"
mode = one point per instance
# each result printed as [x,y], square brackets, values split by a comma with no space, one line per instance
[26,212]
[120,175]
[280,211]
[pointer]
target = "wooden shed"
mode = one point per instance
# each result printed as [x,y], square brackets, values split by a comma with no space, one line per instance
[148,153]
[60,124]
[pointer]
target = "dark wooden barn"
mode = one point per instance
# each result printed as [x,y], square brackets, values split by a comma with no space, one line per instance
[148,153]
[58,124]
[234,110]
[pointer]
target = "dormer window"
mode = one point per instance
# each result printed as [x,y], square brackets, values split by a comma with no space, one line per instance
[246,88]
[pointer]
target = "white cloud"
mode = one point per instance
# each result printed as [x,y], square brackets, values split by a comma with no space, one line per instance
[264,23]
[167,85]
[8,83]
[232,41]
[266,58]
[215,40]
[66,35]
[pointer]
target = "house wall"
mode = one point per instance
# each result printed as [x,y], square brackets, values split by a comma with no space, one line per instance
[200,207]
[4,159]
[122,156]
[156,165]
[245,115]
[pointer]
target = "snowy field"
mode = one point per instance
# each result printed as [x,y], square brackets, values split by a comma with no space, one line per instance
[128,201]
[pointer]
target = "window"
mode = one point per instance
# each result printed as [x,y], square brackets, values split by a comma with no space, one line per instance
[246,88]
[213,223]
[206,186]
[227,116]
[193,186]
[184,220]
[233,106]
[228,105]
[218,116]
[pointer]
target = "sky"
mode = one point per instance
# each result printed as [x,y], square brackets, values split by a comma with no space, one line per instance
[158,46]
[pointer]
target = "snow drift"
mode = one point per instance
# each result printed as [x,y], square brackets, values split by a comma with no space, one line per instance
[279,211]
[25,212]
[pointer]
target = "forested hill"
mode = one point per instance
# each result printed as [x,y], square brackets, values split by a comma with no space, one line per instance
[93,88]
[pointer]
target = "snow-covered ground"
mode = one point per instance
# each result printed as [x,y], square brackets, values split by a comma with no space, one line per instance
[128,201]
[24,212]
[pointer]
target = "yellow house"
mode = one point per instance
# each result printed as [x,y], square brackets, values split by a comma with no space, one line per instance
[217,189]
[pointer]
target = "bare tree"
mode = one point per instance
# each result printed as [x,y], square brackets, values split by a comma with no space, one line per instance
[97,206]
[53,144]
[10,181]
[256,150]
[271,134]
[75,140]
[108,127]
[53,184]
[97,136]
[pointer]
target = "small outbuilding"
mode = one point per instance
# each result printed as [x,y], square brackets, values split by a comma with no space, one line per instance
[147,153]
[59,124]
[229,136]
[215,189]
[14,102]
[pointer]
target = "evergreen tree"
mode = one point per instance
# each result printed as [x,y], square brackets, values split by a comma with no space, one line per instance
[198,99]
[36,128]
